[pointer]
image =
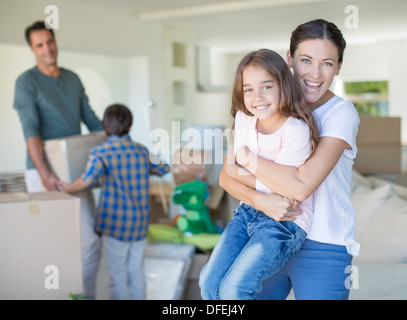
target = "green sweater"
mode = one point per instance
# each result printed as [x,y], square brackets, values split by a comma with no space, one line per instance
[52,107]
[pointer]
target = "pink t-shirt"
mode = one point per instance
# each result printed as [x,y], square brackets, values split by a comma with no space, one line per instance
[290,145]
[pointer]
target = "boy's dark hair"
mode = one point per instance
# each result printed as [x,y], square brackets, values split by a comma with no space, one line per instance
[117,120]
[36,26]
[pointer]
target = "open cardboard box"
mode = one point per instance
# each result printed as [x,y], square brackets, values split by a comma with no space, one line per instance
[379,145]
[40,246]
[68,156]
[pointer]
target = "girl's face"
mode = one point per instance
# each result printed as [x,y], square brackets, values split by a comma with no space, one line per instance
[315,64]
[261,93]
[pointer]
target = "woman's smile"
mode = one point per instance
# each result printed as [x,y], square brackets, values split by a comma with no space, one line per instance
[312,85]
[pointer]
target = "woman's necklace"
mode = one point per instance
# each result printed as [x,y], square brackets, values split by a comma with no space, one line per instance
[326,97]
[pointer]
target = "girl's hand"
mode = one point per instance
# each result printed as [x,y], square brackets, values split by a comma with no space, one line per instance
[277,207]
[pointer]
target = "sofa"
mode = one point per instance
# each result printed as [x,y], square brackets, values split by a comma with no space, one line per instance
[380,271]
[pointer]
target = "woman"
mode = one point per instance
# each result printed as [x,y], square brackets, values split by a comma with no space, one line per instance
[318,270]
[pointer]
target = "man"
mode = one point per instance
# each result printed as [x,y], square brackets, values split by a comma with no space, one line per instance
[51,103]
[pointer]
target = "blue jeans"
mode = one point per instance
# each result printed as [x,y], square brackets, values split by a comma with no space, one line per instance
[251,249]
[317,272]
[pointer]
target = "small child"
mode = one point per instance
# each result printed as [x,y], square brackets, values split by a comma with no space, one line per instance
[122,168]
[274,121]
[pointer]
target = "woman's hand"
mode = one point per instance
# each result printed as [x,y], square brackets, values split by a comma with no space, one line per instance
[277,207]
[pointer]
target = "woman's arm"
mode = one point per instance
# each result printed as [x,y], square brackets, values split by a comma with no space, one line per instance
[296,183]
[272,204]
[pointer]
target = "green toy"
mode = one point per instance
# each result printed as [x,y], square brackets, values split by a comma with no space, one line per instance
[192,196]
[76,296]
[194,226]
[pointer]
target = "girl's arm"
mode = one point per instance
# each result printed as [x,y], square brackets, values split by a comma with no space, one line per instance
[296,183]
[242,188]
[237,173]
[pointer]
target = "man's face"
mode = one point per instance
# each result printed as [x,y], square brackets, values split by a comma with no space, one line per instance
[44,47]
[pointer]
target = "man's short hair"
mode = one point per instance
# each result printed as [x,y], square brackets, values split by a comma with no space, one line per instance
[36,26]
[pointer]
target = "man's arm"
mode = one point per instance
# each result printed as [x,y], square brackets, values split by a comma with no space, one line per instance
[36,152]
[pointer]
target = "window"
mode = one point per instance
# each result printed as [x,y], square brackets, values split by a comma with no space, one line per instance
[369,98]
[179,55]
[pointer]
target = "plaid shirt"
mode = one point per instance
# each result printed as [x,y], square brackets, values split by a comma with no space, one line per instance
[123,168]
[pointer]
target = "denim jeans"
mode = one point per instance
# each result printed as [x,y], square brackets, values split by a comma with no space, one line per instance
[317,272]
[251,249]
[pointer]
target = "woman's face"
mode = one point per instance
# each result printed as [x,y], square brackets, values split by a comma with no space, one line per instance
[315,64]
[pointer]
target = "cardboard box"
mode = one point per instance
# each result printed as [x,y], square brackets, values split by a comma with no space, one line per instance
[189,164]
[40,246]
[206,165]
[379,145]
[68,156]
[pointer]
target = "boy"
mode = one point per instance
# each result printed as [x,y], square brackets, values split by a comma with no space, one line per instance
[122,167]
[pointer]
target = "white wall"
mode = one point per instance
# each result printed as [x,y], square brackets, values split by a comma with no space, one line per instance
[13,61]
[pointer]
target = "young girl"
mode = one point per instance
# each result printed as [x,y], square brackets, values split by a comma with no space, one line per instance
[273,120]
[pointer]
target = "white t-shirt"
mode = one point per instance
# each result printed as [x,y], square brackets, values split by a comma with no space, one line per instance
[290,145]
[333,211]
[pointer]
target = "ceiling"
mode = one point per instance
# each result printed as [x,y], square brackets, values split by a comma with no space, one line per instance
[240,25]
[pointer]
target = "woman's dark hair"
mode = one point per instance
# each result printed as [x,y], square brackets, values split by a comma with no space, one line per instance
[36,26]
[292,101]
[318,29]
[117,120]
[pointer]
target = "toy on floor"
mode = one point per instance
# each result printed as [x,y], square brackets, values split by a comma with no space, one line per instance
[194,226]
[192,196]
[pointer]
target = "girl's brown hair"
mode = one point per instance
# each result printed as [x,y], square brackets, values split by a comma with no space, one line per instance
[292,100]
